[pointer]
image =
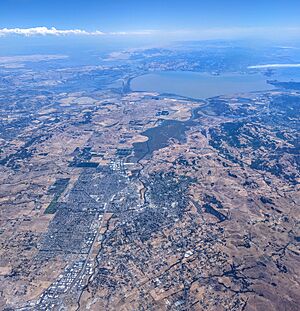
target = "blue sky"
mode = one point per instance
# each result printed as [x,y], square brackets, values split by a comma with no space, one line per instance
[185,18]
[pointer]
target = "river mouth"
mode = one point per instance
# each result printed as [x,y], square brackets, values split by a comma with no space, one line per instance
[200,85]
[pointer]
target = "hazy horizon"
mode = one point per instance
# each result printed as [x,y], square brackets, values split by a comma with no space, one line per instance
[29,24]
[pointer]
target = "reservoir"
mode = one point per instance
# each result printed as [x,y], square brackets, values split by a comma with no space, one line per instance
[200,85]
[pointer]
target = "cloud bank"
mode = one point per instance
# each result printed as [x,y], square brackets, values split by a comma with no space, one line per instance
[274,66]
[203,33]
[45,31]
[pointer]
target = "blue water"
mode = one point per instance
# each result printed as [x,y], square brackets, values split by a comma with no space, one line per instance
[200,85]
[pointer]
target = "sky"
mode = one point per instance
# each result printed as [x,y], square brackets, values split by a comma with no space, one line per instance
[163,19]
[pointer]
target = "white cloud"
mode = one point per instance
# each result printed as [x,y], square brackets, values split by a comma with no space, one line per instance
[201,33]
[274,66]
[43,31]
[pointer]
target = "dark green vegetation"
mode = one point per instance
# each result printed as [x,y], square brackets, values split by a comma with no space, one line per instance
[57,189]
[82,158]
